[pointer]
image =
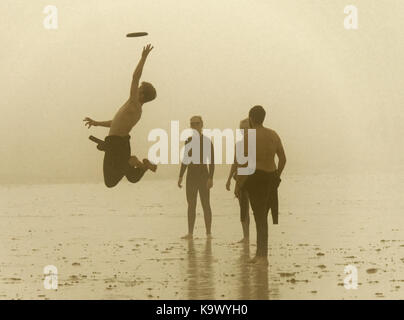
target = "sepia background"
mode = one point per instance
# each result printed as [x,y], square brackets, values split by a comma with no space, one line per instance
[334,96]
[330,91]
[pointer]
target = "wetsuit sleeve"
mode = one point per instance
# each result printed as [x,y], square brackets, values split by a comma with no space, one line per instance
[212,164]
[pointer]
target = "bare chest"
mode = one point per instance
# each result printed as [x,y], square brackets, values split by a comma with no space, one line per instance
[125,119]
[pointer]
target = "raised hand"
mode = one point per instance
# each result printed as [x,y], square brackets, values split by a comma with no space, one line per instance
[90,122]
[146,50]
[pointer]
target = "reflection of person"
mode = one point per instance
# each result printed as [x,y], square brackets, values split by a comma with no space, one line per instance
[242,193]
[199,180]
[200,272]
[263,183]
[245,284]
[118,161]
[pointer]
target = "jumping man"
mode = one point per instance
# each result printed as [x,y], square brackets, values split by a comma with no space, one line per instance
[118,161]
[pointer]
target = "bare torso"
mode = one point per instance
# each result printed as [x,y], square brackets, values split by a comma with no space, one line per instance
[125,119]
[268,143]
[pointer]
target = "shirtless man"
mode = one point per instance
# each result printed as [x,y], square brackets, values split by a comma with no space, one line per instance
[118,161]
[263,183]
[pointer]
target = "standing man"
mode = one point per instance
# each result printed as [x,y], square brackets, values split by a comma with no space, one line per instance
[242,194]
[263,183]
[199,178]
[118,161]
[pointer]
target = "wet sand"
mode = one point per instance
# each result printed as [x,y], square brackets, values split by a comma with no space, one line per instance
[123,243]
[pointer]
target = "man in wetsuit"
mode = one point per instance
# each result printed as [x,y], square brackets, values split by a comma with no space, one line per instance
[199,178]
[118,161]
[242,193]
[263,183]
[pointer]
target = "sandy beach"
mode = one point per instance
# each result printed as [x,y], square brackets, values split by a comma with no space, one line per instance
[124,243]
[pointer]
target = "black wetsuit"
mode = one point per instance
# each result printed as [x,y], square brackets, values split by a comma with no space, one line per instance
[262,190]
[116,166]
[196,181]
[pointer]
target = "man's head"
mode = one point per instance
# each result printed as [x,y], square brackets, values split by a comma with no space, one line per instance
[146,92]
[256,116]
[196,123]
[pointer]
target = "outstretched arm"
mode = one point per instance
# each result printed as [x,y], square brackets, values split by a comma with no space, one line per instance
[138,73]
[90,122]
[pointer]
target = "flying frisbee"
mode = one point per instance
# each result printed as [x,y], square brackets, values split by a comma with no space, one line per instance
[136,34]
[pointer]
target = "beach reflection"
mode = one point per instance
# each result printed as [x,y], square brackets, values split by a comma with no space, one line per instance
[253,280]
[244,276]
[249,281]
[200,272]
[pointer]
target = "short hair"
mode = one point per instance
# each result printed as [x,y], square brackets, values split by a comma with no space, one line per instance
[149,92]
[257,114]
[197,117]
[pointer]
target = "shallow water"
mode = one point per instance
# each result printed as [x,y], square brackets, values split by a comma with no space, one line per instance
[124,243]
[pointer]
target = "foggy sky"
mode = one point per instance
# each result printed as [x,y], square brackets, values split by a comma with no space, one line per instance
[334,96]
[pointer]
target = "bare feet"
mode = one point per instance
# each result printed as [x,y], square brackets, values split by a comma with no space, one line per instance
[262,261]
[188,236]
[149,165]
[253,260]
[244,241]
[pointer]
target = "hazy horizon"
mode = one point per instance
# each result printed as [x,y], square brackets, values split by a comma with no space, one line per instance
[330,229]
[333,95]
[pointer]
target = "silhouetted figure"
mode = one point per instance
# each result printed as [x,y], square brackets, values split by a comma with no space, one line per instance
[199,178]
[118,161]
[263,183]
[243,199]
